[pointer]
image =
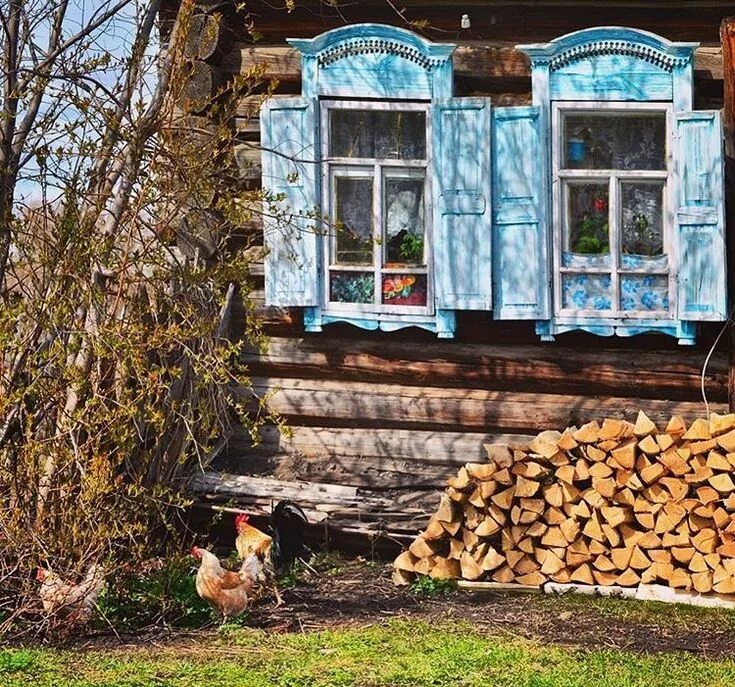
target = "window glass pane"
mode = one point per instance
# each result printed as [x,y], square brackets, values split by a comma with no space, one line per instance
[385,134]
[615,141]
[587,227]
[353,244]
[404,221]
[642,225]
[586,291]
[404,289]
[644,292]
[352,287]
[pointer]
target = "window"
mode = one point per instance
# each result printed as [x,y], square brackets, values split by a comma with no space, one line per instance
[612,224]
[376,197]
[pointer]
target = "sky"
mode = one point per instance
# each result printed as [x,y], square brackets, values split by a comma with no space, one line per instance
[114,40]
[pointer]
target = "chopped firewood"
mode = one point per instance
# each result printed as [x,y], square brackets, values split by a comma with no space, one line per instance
[587,434]
[697,563]
[552,564]
[717,461]
[629,578]
[500,454]
[659,555]
[718,424]
[698,431]
[423,549]
[487,527]
[553,495]
[674,462]
[603,563]
[600,471]
[702,582]
[469,567]
[402,578]
[698,447]
[722,482]
[481,471]
[544,446]
[503,477]
[649,540]
[643,425]
[605,579]
[504,575]
[705,541]
[446,512]
[461,481]
[625,455]
[455,495]
[424,566]
[582,574]
[504,499]
[676,427]
[566,473]
[492,559]
[469,538]
[456,547]
[727,550]
[525,488]
[621,557]
[530,469]
[405,561]
[676,488]
[611,534]
[680,579]
[652,473]
[649,446]
[570,530]
[487,489]
[611,429]
[727,442]
[434,530]
[595,454]
[446,569]
[534,579]
[664,441]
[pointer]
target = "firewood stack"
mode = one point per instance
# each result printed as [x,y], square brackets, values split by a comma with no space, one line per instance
[617,504]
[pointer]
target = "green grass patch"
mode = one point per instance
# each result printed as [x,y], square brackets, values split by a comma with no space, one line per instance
[394,654]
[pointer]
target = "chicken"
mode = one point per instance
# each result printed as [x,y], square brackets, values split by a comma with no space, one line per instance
[227,591]
[277,553]
[67,600]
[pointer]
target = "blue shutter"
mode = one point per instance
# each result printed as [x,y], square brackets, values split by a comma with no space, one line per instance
[520,183]
[290,144]
[700,218]
[462,214]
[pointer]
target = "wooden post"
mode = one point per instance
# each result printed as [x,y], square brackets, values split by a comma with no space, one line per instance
[727,38]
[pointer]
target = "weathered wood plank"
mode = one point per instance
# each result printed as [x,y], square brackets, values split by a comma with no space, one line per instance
[550,369]
[305,401]
[478,60]
[374,445]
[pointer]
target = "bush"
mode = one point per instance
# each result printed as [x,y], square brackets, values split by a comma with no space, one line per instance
[163,592]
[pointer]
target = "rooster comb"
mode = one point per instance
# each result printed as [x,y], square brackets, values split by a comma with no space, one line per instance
[240,519]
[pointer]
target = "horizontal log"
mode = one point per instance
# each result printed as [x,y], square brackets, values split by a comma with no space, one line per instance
[375,445]
[477,60]
[671,374]
[305,401]
[376,458]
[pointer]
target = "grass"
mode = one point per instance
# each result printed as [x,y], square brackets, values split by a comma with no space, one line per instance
[393,654]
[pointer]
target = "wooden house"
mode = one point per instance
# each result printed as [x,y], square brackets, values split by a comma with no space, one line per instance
[503,217]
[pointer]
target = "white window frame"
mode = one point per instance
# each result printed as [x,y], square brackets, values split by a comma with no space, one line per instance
[335,166]
[560,178]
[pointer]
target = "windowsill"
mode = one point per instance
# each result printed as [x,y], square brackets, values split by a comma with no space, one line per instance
[442,323]
[685,332]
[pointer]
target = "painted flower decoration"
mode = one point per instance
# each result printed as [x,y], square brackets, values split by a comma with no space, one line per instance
[600,205]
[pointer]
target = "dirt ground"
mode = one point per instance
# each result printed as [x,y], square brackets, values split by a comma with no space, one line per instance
[355,592]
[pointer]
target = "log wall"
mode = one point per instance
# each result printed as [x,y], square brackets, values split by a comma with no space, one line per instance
[389,416]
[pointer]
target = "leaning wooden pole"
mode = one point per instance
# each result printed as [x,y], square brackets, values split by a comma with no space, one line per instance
[727,38]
